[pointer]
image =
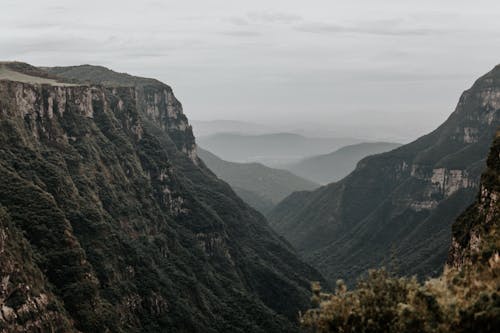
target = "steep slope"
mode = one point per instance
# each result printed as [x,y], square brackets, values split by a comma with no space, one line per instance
[476,233]
[271,149]
[401,203]
[463,299]
[26,300]
[128,230]
[260,186]
[334,166]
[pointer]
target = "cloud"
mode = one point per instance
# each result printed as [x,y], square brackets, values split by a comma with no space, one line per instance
[262,17]
[381,28]
[273,17]
[240,21]
[241,33]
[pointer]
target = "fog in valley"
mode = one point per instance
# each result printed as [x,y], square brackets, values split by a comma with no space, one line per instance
[267,166]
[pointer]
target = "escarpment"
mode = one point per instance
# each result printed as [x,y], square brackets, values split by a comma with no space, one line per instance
[398,206]
[476,232]
[126,229]
[153,99]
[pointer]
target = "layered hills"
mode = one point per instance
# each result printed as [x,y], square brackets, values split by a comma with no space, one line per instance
[398,206]
[272,149]
[328,168]
[260,186]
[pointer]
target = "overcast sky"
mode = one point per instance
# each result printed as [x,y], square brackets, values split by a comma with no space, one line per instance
[381,68]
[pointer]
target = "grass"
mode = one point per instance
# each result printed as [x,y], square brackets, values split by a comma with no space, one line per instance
[8,74]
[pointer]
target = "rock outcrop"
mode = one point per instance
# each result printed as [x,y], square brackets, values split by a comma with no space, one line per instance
[476,233]
[398,206]
[125,229]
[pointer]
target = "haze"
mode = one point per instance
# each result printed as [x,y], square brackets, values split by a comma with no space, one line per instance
[372,69]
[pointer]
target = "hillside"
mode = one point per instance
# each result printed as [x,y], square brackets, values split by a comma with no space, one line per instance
[476,233]
[110,222]
[463,299]
[334,166]
[260,186]
[270,149]
[399,204]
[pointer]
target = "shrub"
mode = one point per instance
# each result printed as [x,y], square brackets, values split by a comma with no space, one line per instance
[465,300]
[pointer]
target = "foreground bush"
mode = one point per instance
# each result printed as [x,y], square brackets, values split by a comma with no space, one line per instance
[465,300]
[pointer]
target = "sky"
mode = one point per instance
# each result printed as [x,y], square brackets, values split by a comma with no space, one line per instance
[364,68]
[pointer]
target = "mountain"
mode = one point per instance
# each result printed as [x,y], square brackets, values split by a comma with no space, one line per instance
[271,149]
[463,299]
[334,166]
[109,221]
[203,128]
[476,233]
[260,186]
[399,204]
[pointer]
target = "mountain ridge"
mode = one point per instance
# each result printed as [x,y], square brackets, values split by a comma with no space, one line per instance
[399,203]
[128,228]
[261,186]
[331,167]
[271,149]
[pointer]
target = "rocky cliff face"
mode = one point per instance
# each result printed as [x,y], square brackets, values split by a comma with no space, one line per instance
[153,99]
[26,302]
[476,233]
[123,227]
[398,204]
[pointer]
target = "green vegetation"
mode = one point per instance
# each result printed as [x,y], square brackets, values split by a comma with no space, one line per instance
[17,71]
[128,230]
[405,199]
[465,298]
[459,301]
[260,186]
[25,295]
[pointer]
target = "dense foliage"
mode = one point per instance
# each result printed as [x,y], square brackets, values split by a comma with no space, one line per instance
[127,229]
[404,200]
[465,298]
[459,301]
[260,186]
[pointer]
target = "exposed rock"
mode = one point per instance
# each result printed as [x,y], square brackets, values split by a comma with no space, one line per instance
[398,204]
[477,230]
[117,205]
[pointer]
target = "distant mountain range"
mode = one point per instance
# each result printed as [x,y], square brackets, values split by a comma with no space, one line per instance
[210,127]
[333,128]
[334,166]
[260,186]
[271,149]
[397,205]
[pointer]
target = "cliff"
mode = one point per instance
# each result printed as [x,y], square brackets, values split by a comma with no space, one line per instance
[113,224]
[461,300]
[476,233]
[398,206]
